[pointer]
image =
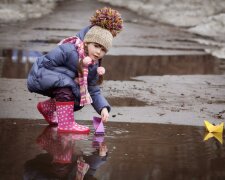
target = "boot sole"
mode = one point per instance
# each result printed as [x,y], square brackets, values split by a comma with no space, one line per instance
[74,131]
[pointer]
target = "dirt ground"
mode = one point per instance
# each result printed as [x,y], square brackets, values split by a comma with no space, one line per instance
[184,99]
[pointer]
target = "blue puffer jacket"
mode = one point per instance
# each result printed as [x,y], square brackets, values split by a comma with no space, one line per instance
[58,68]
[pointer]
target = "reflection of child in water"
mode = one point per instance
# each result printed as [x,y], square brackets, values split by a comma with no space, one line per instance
[93,162]
[97,159]
[62,161]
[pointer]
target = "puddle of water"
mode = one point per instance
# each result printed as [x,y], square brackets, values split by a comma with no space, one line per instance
[125,101]
[55,29]
[49,41]
[131,66]
[134,151]
[16,63]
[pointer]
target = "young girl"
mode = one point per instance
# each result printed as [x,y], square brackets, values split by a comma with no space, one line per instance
[70,73]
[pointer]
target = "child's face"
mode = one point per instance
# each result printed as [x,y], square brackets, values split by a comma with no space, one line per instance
[96,51]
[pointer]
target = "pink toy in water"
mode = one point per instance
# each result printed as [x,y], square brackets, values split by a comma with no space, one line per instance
[98,126]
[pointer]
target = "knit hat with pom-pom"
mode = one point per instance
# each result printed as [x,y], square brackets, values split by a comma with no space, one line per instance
[99,35]
[106,24]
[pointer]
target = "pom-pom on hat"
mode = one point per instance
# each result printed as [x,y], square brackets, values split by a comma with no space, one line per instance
[109,19]
[106,24]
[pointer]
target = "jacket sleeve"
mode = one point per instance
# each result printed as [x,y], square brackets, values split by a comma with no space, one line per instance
[99,101]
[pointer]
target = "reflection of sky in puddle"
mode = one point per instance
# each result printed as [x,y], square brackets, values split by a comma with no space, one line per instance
[16,63]
[25,56]
[135,151]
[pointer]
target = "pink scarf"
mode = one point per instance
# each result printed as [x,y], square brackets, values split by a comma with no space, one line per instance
[82,79]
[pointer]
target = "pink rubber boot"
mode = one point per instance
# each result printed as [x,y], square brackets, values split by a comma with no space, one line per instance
[66,121]
[48,110]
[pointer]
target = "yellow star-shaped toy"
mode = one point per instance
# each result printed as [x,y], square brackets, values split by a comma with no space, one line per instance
[214,128]
[215,131]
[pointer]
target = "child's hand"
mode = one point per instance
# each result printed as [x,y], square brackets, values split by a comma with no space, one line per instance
[103,150]
[105,114]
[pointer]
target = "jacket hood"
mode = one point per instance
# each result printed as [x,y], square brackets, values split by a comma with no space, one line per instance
[83,32]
